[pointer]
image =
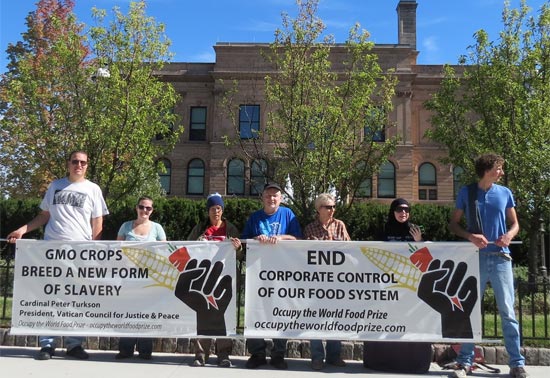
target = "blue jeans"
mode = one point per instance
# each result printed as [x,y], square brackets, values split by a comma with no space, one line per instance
[51,341]
[498,271]
[257,347]
[334,348]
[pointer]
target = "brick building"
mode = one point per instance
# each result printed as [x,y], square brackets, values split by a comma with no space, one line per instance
[201,163]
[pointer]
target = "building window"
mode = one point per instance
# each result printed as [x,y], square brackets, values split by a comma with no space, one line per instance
[165,175]
[427,182]
[249,121]
[197,127]
[374,129]
[386,180]
[161,136]
[235,177]
[457,180]
[258,176]
[365,188]
[195,177]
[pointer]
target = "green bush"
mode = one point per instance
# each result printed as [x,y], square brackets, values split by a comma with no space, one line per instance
[15,213]
[365,220]
[434,219]
[178,216]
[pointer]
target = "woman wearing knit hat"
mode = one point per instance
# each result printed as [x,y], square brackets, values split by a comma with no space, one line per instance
[216,228]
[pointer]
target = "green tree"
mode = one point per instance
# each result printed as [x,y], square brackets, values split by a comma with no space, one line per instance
[68,88]
[497,100]
[325,105]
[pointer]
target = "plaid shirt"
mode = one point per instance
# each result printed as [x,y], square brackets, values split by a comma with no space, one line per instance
[336,230]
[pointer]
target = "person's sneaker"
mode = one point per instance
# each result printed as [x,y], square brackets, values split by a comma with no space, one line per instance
[317,365]
[255,361]
[198,362]
[518,372]
[278,363]
[78,353]
[338,363]
[460,371]
[45,354]
[225,362]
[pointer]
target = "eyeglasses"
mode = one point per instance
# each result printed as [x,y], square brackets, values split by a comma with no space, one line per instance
[147,208]
[329,207]
[400,209]
[81,162]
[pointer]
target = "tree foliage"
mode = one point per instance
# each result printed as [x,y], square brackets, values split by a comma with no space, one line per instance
[324,103]
[68,88]
[498,101]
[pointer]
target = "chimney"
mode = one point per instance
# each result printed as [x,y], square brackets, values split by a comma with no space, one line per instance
[406,23]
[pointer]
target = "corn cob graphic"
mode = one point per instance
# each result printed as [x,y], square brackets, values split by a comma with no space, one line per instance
[400,266]
[159,268]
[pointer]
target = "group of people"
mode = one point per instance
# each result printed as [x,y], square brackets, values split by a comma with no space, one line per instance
[73,209]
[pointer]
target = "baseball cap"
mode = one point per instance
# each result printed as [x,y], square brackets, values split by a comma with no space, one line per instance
[272,185]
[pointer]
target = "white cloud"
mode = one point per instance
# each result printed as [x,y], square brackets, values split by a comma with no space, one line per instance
[429,44]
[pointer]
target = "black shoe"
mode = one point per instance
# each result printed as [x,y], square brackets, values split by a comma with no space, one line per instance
[255,361]
[145,356]
[317,365]
[122,356]
[45,354]
[78,353]
[278,363]
[338,363]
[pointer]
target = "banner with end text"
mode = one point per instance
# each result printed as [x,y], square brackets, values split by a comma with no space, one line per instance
[393,291]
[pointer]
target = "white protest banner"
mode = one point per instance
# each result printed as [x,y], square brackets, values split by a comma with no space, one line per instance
[123,288]
[363,291]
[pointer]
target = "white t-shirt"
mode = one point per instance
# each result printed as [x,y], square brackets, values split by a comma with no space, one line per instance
[72,205]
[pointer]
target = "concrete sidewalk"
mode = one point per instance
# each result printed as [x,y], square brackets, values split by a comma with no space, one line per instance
[19,362]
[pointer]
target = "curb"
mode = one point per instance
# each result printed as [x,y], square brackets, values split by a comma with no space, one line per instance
[351,350]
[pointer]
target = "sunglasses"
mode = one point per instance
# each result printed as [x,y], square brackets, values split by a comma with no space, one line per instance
[400,209]
[329,207]
[81,162]
[147,208]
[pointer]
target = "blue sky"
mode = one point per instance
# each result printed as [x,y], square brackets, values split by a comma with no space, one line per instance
[444,27]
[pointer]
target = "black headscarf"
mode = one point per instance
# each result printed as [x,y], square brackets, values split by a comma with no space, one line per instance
[395,230]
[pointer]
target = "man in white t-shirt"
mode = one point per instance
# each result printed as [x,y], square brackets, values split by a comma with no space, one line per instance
[72,209]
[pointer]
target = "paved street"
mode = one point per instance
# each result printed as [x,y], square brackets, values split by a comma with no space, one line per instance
[18,362]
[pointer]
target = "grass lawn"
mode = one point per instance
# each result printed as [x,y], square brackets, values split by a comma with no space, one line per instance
[5,320]
[535,329]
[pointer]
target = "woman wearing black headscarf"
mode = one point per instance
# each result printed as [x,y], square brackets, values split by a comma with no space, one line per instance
[398,227]
[414,357]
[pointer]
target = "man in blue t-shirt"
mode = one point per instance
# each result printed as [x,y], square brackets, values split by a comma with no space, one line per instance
[269,225]
[487,213]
